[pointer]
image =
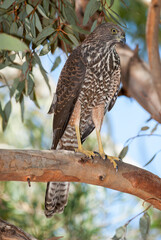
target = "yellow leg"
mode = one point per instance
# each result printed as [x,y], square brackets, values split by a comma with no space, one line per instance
[80,147]
[102,153]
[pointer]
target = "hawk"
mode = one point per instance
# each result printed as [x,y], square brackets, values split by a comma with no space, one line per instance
[88,87]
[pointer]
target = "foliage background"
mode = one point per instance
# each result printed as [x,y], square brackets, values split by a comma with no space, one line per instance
[45,27]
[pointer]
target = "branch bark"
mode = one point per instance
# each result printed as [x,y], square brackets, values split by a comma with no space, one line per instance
[152,30]
[60,166]
[10,232]
[137,81]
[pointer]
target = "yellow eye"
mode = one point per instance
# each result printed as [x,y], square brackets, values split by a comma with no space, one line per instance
[114,31]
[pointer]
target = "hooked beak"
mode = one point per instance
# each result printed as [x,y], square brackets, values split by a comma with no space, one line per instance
[122,38]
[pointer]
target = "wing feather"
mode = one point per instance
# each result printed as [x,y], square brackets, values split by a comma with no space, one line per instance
[67,92]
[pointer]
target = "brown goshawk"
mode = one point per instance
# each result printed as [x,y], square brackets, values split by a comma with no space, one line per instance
[88,87]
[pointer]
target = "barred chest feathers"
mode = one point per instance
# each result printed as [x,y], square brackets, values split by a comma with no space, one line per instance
[100,83]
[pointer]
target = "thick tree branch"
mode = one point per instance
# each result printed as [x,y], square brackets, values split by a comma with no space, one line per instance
[152,30]
[10,232]
[44,166]
[137,81]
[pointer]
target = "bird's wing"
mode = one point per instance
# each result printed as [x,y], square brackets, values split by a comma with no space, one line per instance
[67,92]
[117,76]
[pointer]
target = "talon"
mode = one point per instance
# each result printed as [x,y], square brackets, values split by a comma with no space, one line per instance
[89,154]
[98,154]
[113,161]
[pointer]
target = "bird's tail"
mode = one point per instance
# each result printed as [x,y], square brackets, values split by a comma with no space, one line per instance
[56,197]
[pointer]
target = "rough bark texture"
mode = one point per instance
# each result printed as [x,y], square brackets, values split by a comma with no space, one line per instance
[138,82]
[10,232]
[46,166]
[152,36]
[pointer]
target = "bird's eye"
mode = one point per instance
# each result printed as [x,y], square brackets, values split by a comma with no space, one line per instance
[114,31]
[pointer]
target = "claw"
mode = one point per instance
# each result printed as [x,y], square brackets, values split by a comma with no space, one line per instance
[113,161]
[89,154]
[97,153]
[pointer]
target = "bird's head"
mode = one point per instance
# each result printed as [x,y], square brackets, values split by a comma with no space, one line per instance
[108,32]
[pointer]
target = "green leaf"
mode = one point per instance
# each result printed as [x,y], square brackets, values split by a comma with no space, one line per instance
[20,89]
[7,112]
[34,98]
[45,50]
[29,9]
[73,39]
[151,159]
[22,107]
[91,8]
[123,152]
[69,14]
[42,70]
[13,28]
[41,11]
[155,128]
[144,225]
[31,84]
[120,233]
[47,31]
[38,23]
[7,3]
[11,43]
[79,29]
[1,111]
[56,63]
[14,87]
[144,128]
[94,25]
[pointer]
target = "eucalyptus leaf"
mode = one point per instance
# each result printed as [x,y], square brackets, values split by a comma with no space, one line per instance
[31,84]
[13,28]
[37,22]
[47,31]
[7,3]
[22,106]
[56,63]
[123,152]
[94,25]
[144,128]
[29,9]
[73,39]
[91,8]
[14,87]
[41,11]
[144,225]
[11,43]
[7,110]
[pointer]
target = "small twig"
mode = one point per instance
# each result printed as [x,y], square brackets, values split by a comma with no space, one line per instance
[137,215]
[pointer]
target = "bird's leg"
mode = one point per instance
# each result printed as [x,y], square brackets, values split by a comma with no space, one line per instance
[80,147]
[97,116]
[102,153]
[75,121]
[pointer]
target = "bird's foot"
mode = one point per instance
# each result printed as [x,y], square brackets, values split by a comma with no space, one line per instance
[89,154]
[113,161]
[111,158]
